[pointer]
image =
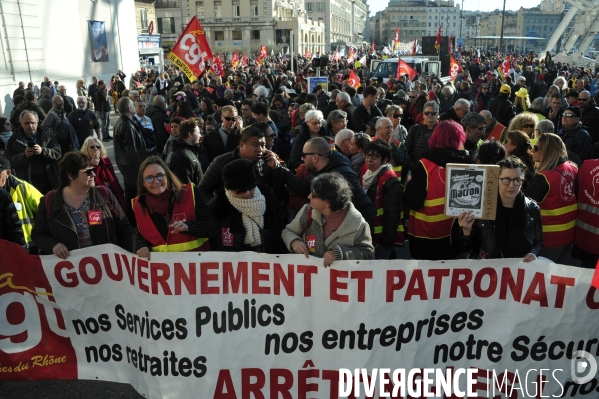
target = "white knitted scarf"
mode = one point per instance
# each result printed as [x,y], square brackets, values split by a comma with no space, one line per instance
[252,215]
[369,176]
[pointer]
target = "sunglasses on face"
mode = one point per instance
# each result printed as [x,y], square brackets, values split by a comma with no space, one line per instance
[95,147]
[158,177]
[88,171]
[569,116]
[229,118]
[529,126]
[429,113]
[583,99]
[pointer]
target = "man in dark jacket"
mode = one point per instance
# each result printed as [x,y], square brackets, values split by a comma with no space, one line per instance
[501,107]
[157,114]
[590,114]
[129,151]
[323,99]
[33,154]
[92,90]
[575,136]
[183,161]
[84,120]
[226,137]
[252,146]
[457,112]
[331,106]
[29,104]
[343,101]
[365,111]
[10,225]
[320,159]
[102,107]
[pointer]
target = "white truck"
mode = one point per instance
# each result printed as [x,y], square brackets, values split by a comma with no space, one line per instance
[429,64]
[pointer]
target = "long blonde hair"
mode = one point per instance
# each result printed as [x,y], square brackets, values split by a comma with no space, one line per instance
[554,150]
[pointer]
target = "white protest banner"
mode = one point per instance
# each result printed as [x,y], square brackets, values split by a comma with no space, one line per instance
[246,325]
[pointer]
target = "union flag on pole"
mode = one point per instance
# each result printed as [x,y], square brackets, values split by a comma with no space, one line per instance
[216,67]
[336,55]
[352,54]
[263,54]
[192,51]
[454,68]
[235,59]
[405,69]
[244,60]
[415,46]
[396,42]
[450,45]
[505,66]
[372,50]
[353,80]
[437,40]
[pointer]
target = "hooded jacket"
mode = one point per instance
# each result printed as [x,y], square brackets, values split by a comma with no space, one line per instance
[185,164]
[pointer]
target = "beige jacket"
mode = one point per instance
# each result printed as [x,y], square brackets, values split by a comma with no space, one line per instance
[351,240]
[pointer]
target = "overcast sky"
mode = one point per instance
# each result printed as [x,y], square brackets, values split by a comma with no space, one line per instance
[473,5]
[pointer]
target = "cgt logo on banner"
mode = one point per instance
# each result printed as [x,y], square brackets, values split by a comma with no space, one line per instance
[192,50]
[248,325]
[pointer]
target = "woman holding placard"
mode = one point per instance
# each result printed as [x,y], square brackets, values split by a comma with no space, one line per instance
[516,231]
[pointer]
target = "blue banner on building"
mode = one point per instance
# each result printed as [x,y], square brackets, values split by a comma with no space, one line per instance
[97,32]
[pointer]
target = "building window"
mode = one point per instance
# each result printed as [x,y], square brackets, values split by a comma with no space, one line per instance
[219,35]
[236,8]
[218,9]
[200,9]
[166,25]
[254,8]
[143,16]
[255,35]
[320,7]
[237,35]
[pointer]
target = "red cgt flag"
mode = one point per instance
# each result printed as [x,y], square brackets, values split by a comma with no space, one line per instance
[438,39]
[217,66]
[235,59]
[405,69]
[354,80]
[244,60]
[454,68]
[192,51]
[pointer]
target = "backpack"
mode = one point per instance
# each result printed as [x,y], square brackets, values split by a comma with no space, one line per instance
[542,89]
[104,191]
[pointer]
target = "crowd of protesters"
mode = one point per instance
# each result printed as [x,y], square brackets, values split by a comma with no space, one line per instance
[253,160]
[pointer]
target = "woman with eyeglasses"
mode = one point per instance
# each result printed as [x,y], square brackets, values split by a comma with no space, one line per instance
[395,113]
[526,123]
[248,213]
[382,185]
[310,128]
[330,226]
[103,169]
[336,122]
[79,214]
[553,189]
[170,216]
[518,144]
[428,226]
[516,231]
[419,134]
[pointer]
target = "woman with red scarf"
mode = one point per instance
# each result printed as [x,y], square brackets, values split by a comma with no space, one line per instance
[105,175]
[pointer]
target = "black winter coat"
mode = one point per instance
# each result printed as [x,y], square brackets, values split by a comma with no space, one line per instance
[337,163]
[578,143]
[417,142]
[230,222]
[213,143]
[185,164]
[590,119]
[158,117]
[10,225]
[295,158]
[502,109]
[129,149]
[392,196]
[59,227]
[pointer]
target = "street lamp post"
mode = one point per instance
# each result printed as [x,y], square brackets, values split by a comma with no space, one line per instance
[502,23]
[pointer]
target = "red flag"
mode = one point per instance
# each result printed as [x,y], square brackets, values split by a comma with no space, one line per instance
[450,45]
[415,46]
[595,280]
[437,40]
[353,80]
[308,54]
[263,54]
[235,59]
[216,67]
[244,60]
[192,51]
[505,66]
[336,55]
[454,68]
[350,57]
[372,47]
[405,69]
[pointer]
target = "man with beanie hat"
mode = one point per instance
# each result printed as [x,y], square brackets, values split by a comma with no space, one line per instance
[25,197]
[501,107]
[575,136]
[247,212]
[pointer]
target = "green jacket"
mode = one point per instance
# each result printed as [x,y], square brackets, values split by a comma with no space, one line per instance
[27,199]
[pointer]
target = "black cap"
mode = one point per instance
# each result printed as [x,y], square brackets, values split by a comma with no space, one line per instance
[575,110]
[572,93]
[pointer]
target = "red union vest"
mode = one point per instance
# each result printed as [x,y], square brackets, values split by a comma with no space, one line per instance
[558,208]
[380,213]
[182,210]
[497,133]
[430,220]
[586,234]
